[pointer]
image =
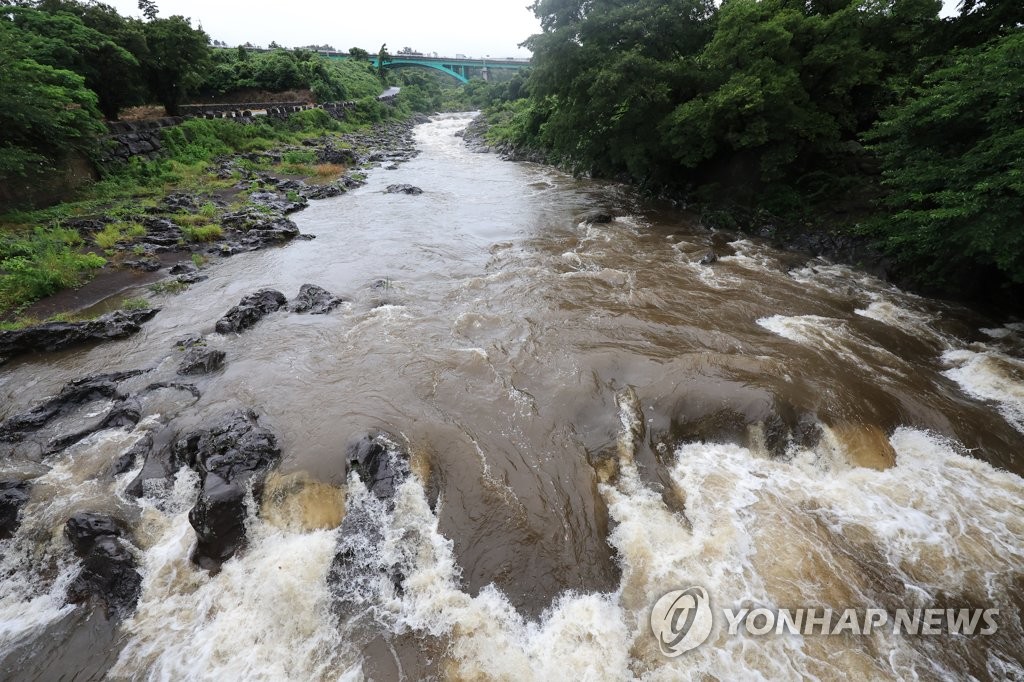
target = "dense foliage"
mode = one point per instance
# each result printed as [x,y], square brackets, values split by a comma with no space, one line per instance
[330,80]
[786,108]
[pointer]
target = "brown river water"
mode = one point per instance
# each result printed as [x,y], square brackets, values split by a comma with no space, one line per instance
[595,419]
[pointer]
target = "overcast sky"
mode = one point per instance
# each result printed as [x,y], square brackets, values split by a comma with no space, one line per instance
[472,27]
[475,28]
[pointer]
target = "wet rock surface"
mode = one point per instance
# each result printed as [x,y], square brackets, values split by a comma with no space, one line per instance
[382,466]
[109,571]
[201,360]
[314,300]
[73,394]
[403,189]
[250,310]
[233,454]
[54,336]
[13,496]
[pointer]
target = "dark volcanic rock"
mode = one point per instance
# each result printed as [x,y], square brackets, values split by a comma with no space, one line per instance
[321,191]
[13,496]
[596,216]
[709,258]
[189,341]
[314,300]
[250,310]
[402,189]
[201,360]
[184,267]
[125,414]
[162,234]
[84,528]
[254,230]
[381,465]
[233,454]
[109,570]
[143,264]
[54,336]
[277,203]
[127,461]
[181,202]
[73,394]
[331,154]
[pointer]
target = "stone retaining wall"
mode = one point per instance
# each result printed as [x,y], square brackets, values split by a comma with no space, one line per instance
[143,138]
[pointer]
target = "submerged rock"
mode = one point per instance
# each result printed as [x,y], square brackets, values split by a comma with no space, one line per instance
[709,258]
[250,310]
[314,300]
[230,456]
[53,336]
[13,496]
[74,393]
[403,189]
[596,216]
[109,571]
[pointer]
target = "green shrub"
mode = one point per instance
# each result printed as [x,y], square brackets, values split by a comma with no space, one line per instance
[202,233]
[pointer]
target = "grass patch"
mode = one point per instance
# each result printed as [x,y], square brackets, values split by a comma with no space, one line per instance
[37,265]
[138,303]
[172,287]
[202,233]
[114,233]
[199,260]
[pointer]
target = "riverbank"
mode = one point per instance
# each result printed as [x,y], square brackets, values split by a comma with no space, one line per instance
[222,189]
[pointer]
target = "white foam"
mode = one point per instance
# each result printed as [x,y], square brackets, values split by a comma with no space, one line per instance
[836,337]
[990,375]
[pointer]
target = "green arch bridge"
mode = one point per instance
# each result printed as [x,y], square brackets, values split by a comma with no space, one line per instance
[459,68]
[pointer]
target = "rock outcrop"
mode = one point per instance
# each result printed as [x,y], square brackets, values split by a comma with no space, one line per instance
[109,571]
[314,300]
[13,496]
[54,336]
[403,189]
[230,456]
[250,310]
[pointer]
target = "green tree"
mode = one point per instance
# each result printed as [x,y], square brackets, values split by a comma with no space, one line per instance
[383,58]
[953,158]
[91,41]
[47,112]
[358,53]
[177,57]
[149,9]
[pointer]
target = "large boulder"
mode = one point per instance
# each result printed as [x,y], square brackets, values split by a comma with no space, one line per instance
[53,336]
[382,466]
[109,570]
[253,229]
[250,310]
[358,567]
[13,496]
[233,454]
[403,189]
[314,300]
